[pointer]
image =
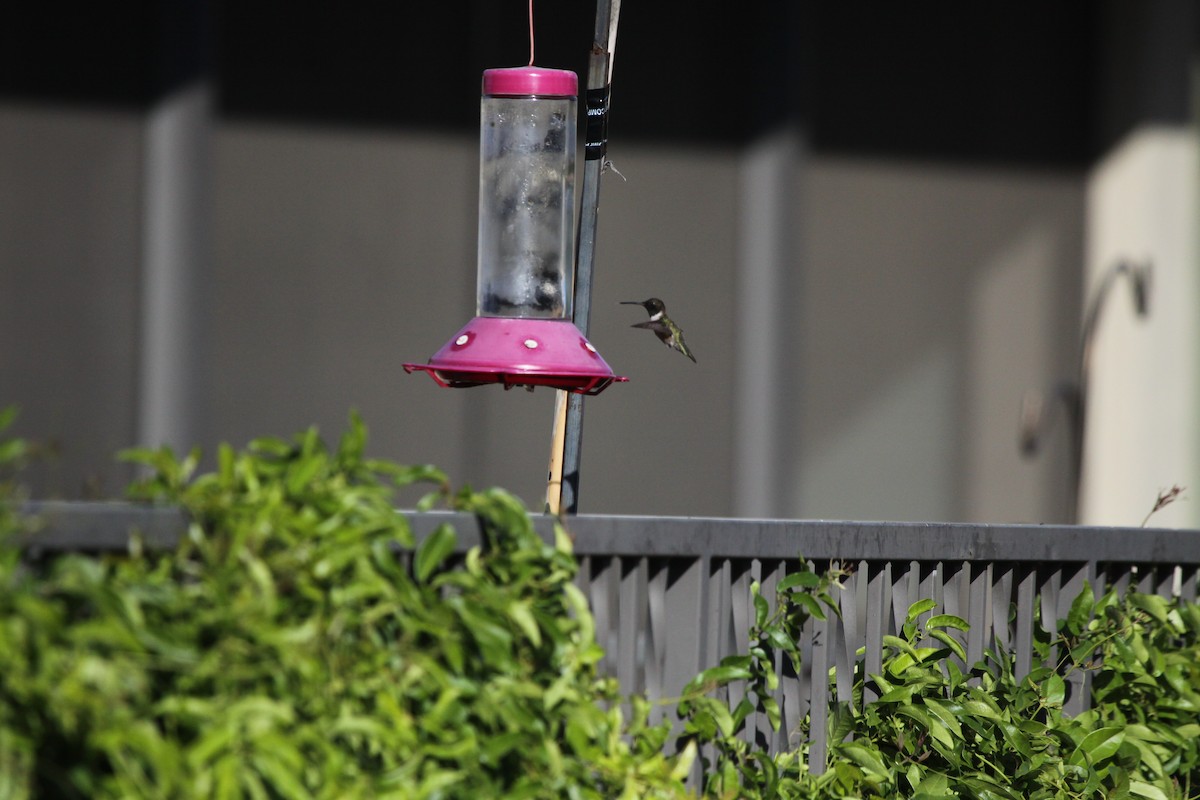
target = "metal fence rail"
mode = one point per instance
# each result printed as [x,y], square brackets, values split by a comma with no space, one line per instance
[671,596]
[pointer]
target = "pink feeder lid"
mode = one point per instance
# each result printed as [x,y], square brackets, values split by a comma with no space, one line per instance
[520,352]
[527,81]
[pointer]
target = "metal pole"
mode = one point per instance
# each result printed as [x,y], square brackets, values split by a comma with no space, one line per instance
[599,80]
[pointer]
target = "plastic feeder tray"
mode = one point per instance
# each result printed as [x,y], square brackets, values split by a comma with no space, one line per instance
[520,352]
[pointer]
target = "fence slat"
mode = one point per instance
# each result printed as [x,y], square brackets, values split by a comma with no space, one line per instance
[1079,681]
[979,615]
[844,641]
[878,578]
[819,695]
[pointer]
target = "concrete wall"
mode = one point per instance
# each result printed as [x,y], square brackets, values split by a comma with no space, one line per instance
[342,255]
[918,303]
[932,297]
[70,247]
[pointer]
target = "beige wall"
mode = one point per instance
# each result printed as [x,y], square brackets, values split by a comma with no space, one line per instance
[1143,432]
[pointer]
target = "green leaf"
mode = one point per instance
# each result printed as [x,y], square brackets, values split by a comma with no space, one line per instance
[1083,651]
[520,614]
[1149,758]
[985,788]
[1154,605]
[946,621]
[215,739]
[434,550]
[1149,790]
[798,580]
[493,639]
[1097,746]
[841,722]
[1054,690]
[226,464]
[744,709]
[939,709]
[978,708]
[354,440]
[742,661]
[303,472]
[721,675]
[563,542]
[7,415]
[869,760]
[901,645]
[898,694]
[810,604]
[684,761]
[761,609]
[777,637]
[279,777]
[1081,610]
[771,708]
[918,608]
[948,640]
[933,785]
[11,450]
[225,774]
[931,724]
[722,717]
[423,473]
[578,604]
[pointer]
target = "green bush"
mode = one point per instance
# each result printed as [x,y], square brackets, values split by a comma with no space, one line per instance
[937,731]
[299,644]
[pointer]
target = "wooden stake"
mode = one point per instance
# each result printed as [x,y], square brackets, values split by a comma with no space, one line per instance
[557,442]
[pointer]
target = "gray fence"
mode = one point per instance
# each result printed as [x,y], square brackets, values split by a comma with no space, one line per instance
[671,596]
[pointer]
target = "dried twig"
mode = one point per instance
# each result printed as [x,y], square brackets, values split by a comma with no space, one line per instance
[1165,498]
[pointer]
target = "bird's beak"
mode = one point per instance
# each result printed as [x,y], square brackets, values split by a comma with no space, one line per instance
[630,302]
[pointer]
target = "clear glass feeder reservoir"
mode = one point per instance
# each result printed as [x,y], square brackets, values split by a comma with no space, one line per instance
[527,193]
[523,334]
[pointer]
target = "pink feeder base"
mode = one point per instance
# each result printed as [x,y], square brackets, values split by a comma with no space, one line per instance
[520,352]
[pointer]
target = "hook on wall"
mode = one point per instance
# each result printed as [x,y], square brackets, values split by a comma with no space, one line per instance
[1037,414]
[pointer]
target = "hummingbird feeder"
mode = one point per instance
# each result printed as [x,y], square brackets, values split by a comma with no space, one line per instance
[523,334]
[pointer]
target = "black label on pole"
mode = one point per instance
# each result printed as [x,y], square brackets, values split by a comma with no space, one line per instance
[596,132]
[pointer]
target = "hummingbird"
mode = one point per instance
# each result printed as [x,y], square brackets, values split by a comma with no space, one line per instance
[661,324]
